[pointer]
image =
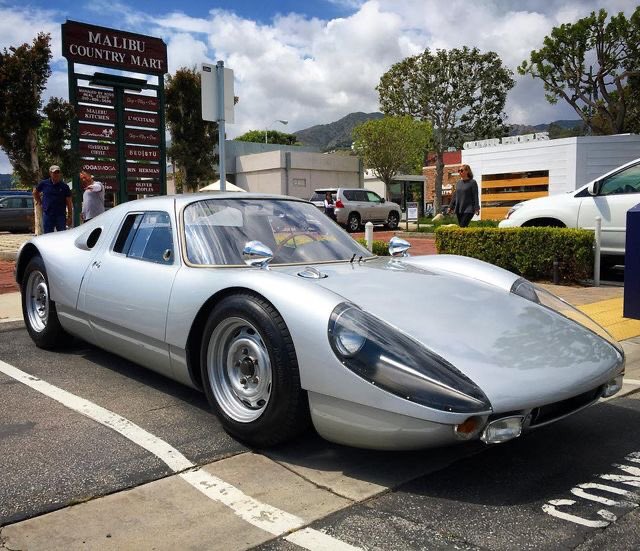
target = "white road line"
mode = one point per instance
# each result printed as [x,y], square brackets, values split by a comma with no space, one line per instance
[631,381]
[261,515]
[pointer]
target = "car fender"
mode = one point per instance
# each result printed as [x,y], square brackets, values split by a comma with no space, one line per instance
[564,208]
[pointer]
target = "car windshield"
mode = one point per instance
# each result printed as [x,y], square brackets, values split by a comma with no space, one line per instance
[217,230]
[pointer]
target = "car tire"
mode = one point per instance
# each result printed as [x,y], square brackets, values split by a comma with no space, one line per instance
[250,372]
[393,220]
[353,222]
[38,310]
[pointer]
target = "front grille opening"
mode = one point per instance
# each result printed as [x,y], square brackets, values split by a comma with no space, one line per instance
[551,412]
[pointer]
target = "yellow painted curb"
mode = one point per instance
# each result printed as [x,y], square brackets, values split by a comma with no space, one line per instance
[608,313]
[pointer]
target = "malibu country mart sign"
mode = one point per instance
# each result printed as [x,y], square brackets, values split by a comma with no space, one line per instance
[93,45]
[119,131]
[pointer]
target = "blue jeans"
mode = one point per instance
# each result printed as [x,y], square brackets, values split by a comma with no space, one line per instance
[54,222]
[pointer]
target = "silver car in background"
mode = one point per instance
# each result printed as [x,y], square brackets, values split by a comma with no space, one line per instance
[283,321]
[354,207]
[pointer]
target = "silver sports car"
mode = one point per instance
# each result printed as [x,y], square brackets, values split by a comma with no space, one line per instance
[283,320]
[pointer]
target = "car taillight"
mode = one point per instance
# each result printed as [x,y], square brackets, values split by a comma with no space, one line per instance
[339,204]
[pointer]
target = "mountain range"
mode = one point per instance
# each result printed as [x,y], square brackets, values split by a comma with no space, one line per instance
[337,135]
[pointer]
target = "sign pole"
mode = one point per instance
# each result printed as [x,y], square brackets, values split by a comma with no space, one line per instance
[221,152]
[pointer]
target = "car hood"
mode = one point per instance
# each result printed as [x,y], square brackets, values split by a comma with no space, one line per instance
[519,352]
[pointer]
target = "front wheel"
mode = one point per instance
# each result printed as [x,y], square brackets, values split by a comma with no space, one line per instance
[38,310]
[353,222]
[250,372]
[393,220]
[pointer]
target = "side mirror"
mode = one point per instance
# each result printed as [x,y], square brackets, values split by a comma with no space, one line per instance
[398,247]
[382,199]
[257,254]
[592,188]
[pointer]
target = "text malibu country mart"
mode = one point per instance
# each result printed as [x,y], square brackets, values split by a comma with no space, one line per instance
[134,47]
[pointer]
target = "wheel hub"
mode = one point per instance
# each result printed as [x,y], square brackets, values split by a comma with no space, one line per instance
[240,369]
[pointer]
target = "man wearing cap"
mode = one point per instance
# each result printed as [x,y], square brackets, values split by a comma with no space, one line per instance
[55,197]
[92,198]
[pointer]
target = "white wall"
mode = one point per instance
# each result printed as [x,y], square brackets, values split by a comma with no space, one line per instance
[296,173]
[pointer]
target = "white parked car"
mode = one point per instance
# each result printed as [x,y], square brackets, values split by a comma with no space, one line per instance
[609,197]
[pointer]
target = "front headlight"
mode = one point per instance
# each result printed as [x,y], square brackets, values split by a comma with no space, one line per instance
[513,209]
[382,355]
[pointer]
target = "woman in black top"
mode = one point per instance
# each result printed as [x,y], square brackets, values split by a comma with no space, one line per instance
[465,198]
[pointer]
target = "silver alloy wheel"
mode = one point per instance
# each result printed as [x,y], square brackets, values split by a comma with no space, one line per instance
[37,301]
[354,222]
[393,220]
[239,369]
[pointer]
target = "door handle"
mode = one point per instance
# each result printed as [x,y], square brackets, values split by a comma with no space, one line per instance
[96,263]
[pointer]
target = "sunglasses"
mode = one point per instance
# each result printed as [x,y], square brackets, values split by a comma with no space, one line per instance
[461,170]
[56,172]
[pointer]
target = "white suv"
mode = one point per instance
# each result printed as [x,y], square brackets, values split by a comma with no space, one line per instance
[609,197]
[356,206]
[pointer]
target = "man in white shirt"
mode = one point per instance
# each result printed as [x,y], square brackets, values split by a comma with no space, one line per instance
[92,198]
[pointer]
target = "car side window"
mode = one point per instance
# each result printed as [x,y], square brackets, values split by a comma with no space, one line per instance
[15,203]
[146,236]
[373,197]
[350,195]
[623,182]
[361,195]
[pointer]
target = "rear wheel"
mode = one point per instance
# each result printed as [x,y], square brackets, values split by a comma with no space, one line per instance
[250,372]
[353,222]
[38,310]
[393,220]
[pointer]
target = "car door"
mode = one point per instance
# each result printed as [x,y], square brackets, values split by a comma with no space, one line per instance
[361,204]
[15,213]
[126,291]
[616,194]
[378,211]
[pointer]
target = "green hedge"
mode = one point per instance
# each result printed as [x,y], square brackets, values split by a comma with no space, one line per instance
[380,248]
[529,252]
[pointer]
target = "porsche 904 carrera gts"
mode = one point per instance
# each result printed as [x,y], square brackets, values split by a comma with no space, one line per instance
[284,321]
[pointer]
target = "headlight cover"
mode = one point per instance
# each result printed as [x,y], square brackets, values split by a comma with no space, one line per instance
[382,355]
[528,290]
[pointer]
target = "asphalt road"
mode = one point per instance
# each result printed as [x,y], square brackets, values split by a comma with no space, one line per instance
[573,485]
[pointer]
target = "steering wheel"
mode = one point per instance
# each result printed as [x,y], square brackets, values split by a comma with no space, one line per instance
[293,236]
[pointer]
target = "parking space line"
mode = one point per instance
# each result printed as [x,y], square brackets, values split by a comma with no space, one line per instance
[261,515]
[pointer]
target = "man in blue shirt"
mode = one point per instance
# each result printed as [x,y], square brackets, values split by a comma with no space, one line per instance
[55,197]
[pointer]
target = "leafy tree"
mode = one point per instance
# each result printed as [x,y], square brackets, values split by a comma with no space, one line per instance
[588,63]
[273,136]
[23,76]
[391,145]
[54,138]
[556,131]
[192,139]
[461,92]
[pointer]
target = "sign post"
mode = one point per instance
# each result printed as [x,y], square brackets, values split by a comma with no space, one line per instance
[217,106]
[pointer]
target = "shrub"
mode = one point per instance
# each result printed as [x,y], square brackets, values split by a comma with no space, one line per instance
[529,252]
[380,248]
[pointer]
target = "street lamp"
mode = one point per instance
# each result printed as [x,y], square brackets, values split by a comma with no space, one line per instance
[267,129]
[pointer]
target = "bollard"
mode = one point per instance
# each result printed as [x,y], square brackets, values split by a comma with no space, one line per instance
[596,260]
[368,235]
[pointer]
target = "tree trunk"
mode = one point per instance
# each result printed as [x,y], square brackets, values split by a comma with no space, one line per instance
[437,198]
[32,144]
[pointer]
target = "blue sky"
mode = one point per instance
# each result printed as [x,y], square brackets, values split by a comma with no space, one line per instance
[312,62]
